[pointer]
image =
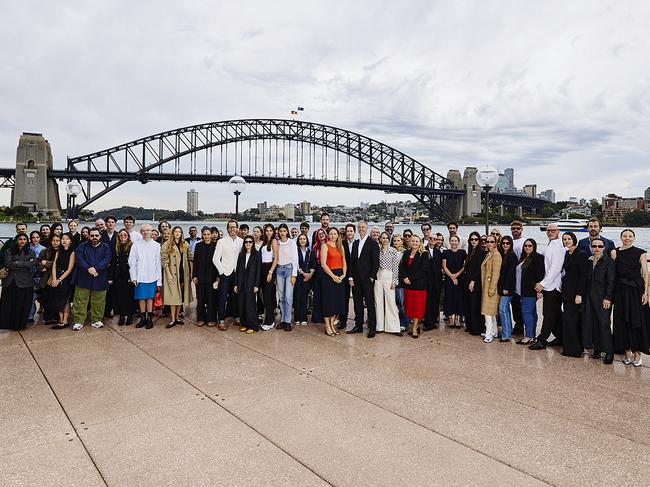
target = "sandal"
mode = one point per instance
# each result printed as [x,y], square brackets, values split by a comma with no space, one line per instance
[525,341]
[59,326]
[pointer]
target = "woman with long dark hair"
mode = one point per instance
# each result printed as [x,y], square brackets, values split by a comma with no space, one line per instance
[303,282]
[45,232]
[573,291]
[490,272]
[36,247]
[506,286]
[319,240]
[286,274]
[204,276]
[631,315]
[18,285]
[59,288]
[247,280]
[530,271]
[56,229]
[45,266]
[84,235]
[413,272]
[119,274]
[474,320]
[269,258]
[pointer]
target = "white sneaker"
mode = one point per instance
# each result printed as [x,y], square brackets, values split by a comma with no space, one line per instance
[97,324]
[627,360]
[297,323]
[266,327]
[638,362]
[482,334]
[303,323]
[488,339]
[77,326]
[495,334]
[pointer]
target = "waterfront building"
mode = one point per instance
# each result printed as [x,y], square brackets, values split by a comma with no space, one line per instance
[530,190]
[193,202]
[262,207]
[289,211]
[615,207]
[646,194]
[548,195]
[305,208]
[509,174]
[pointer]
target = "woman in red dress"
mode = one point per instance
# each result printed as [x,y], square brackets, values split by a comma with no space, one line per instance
[413,277]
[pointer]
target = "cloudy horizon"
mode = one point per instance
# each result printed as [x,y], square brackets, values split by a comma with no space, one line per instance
[560,92]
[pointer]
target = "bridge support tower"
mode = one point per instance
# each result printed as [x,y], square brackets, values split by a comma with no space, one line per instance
[33,188]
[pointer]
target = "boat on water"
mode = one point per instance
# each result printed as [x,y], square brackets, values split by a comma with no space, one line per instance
[568,225]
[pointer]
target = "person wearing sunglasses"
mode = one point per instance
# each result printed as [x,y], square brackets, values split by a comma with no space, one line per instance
[631,313]
[506,286]
[550,288]
[474,321]
[529,272]
[574,271]
[453,266]
[594,227]
[599,291]
[490,272]
[247,278]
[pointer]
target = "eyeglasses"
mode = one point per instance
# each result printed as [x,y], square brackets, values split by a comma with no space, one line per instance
[491,241]
[518,229]
[473,239]
[528,245]
[551,231]
[596,246]
[248,242]
[505,243]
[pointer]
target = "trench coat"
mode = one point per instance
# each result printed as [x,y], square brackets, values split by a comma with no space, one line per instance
[171,290]
[490,271]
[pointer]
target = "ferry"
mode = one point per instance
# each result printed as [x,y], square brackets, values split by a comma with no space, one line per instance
[569,226]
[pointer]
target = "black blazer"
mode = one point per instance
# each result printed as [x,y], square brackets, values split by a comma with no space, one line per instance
[435,268]
[248,276]
[473,270]
[417,272]
[602,278]
[531,275]
[109,241]
[348,258]
[305,264]
[573,275]
[21,268]
[365,266]
[507,277]
[118,270]
[204,269]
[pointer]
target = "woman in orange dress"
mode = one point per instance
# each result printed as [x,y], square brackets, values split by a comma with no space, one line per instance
[333,273]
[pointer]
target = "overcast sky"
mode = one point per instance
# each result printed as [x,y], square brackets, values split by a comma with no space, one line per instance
[558,90]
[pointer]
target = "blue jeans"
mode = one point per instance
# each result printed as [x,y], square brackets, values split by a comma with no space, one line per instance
[285,291]
[529,315]
[505,317]
[399,298]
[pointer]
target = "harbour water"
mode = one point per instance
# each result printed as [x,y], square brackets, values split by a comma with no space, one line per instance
[530,231]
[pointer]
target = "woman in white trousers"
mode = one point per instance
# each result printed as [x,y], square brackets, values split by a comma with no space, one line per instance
[387,278]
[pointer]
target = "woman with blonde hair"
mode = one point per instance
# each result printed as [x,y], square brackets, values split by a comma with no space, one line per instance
[490,272]
[176,266]
[387,279]
[413,272]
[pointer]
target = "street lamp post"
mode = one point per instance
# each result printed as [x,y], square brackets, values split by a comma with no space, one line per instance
[487,177]
[237,185]
[73,189]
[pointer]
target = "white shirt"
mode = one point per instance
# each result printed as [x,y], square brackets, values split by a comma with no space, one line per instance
[135,236]
[553,261]
[225,254]
[361,242]
[144,261]
[288,254]
[349,243]
[518,246]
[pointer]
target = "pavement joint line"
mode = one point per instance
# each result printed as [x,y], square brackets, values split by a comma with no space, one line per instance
[76,432]
[218,403]
[308,372]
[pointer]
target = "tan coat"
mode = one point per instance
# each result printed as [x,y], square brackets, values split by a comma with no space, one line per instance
[171,289]
[490,269]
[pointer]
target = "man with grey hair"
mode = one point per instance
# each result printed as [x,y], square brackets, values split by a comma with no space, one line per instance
[550,288]
[364,260]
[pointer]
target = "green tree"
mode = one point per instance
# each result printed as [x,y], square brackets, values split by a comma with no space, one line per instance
[637,218]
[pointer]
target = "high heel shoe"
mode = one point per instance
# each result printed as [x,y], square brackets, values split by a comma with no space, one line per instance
[329,332]
[414,331]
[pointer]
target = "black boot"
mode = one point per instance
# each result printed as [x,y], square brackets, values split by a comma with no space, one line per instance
[143,320]
[595,354]
[129,320]
[609,358]
[121,321]
[149,325]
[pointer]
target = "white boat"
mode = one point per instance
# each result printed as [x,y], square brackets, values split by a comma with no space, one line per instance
[569,225]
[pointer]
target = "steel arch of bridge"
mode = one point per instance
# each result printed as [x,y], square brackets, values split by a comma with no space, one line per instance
[386,168]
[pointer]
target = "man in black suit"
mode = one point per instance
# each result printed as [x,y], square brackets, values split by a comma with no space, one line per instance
[434,284]
[364,262]
[109,237]
[348,242]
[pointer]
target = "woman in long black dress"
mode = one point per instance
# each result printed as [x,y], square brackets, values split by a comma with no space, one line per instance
[474,320]
[453,264]
[631,333]
[17,286]
[45,266]
[124,303]
[573,289]
[58,284]
[247,278]
[597,302]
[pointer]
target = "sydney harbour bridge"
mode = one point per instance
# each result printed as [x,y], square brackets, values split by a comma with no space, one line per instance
[263,151]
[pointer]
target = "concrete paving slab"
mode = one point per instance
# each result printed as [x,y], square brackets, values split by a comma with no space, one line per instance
[101,376]
[9,338]
[463,409]
[193,443]
[61,462]
[350,442]
[40,331]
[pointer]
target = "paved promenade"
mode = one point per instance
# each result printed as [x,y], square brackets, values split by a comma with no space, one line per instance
[195,406]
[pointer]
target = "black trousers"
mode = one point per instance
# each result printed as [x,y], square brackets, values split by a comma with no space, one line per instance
[344,317]
[517,318]
[571,329]
[206,302]
[474,320]
[300,298]
[268,293]
[364,291]
[248,310]
[552,321]
[432,310]
[226,284]
[108,307]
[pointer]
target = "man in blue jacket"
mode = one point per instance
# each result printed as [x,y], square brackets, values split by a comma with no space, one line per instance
[91,280]
[594,228]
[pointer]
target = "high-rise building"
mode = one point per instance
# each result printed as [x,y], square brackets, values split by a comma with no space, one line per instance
[289,211]
[646,194]
[530,190]
[261,207]
[548,195]
[193,202]
[305,207]
[509,174]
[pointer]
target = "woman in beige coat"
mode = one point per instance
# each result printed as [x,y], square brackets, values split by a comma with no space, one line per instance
[177,272]
[490,269]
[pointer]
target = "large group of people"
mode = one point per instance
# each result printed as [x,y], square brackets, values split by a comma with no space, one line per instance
[594,294]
